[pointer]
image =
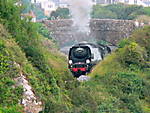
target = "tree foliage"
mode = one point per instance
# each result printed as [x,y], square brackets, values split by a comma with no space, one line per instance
[60,13]
[119,11]
[101,12]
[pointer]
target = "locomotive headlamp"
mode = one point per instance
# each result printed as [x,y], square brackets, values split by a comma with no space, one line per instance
[70,61]
[87,61]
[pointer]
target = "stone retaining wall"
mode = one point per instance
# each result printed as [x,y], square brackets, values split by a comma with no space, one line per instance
[101,29]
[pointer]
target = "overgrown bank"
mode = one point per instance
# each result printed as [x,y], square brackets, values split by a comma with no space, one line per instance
[24,51]
[125,74]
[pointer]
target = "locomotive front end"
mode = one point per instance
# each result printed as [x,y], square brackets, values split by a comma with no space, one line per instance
[79,60]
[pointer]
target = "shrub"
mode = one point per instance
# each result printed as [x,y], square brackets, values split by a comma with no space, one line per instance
[142,37]
[13,109]
[127,87]
[132,54]
[124,43]
[10,95]
[43,30]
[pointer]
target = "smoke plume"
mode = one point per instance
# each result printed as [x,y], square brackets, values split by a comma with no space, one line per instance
[80,10]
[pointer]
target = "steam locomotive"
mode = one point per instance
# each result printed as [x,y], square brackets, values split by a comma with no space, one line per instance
[83,56]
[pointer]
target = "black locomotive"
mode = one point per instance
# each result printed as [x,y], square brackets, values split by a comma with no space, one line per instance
[83,56]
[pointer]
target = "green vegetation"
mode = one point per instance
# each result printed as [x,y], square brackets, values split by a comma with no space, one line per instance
[113,11]
[119,11]
[9,93]
[60,13]
[125,73]
[102,13]
[24,51]
[43,30]
[119,84]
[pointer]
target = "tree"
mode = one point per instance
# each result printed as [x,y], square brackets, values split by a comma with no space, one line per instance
[118,11]
[147,10]
[62,13]
[124,11]
[102,12]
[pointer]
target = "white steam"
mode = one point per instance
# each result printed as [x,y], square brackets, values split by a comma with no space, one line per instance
[80,10]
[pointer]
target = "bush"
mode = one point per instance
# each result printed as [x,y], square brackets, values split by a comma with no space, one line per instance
[132,54]
[142,37]
[52,106]
[127,87]
[60,13]
[4,63]
[13,109]
[9,95]
[124,42]
[43,30]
